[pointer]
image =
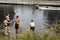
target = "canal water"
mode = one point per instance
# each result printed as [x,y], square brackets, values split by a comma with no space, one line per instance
[42,18]
[26,13]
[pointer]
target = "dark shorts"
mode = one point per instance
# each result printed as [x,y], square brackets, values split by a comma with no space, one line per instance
[16,26]
[8,24]
[32,28]
[5,25]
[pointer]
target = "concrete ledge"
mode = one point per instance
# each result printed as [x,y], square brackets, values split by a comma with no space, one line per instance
[32,2]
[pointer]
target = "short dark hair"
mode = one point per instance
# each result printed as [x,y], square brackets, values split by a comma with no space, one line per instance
[17,16]
[31,20]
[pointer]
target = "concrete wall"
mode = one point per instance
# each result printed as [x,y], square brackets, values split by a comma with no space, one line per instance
[31,2]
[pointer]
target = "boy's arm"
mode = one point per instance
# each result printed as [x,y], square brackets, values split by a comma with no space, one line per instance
[20,22]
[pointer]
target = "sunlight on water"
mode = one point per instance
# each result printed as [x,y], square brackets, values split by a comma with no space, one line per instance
[27,13]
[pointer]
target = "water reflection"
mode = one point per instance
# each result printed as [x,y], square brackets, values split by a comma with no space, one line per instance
[4,10]
[27,13]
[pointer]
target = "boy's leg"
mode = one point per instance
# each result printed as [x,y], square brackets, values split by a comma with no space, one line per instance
[17,31]
[33,28]
[6,31]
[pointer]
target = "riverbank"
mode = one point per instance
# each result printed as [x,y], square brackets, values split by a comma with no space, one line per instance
[29,35]
[32,36]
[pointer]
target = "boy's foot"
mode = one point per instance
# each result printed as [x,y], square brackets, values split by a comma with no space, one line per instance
[6,34]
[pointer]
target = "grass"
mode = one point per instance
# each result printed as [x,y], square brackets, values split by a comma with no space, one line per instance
[50,35]
[33,36]
[28,36]
[3,37]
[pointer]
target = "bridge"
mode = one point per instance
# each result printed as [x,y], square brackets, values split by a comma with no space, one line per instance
[31,2]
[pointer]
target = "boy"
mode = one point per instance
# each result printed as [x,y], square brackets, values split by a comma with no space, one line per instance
[17,22]
[8,24]
[32,25]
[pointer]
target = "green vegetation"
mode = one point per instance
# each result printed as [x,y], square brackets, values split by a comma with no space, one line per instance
[1,27]
[56,26]
[28,36]
[50,35]
[4,37]
[32,36]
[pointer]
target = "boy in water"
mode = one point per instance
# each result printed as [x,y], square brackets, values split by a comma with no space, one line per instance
[32,25]
[17,22]
[8,24]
